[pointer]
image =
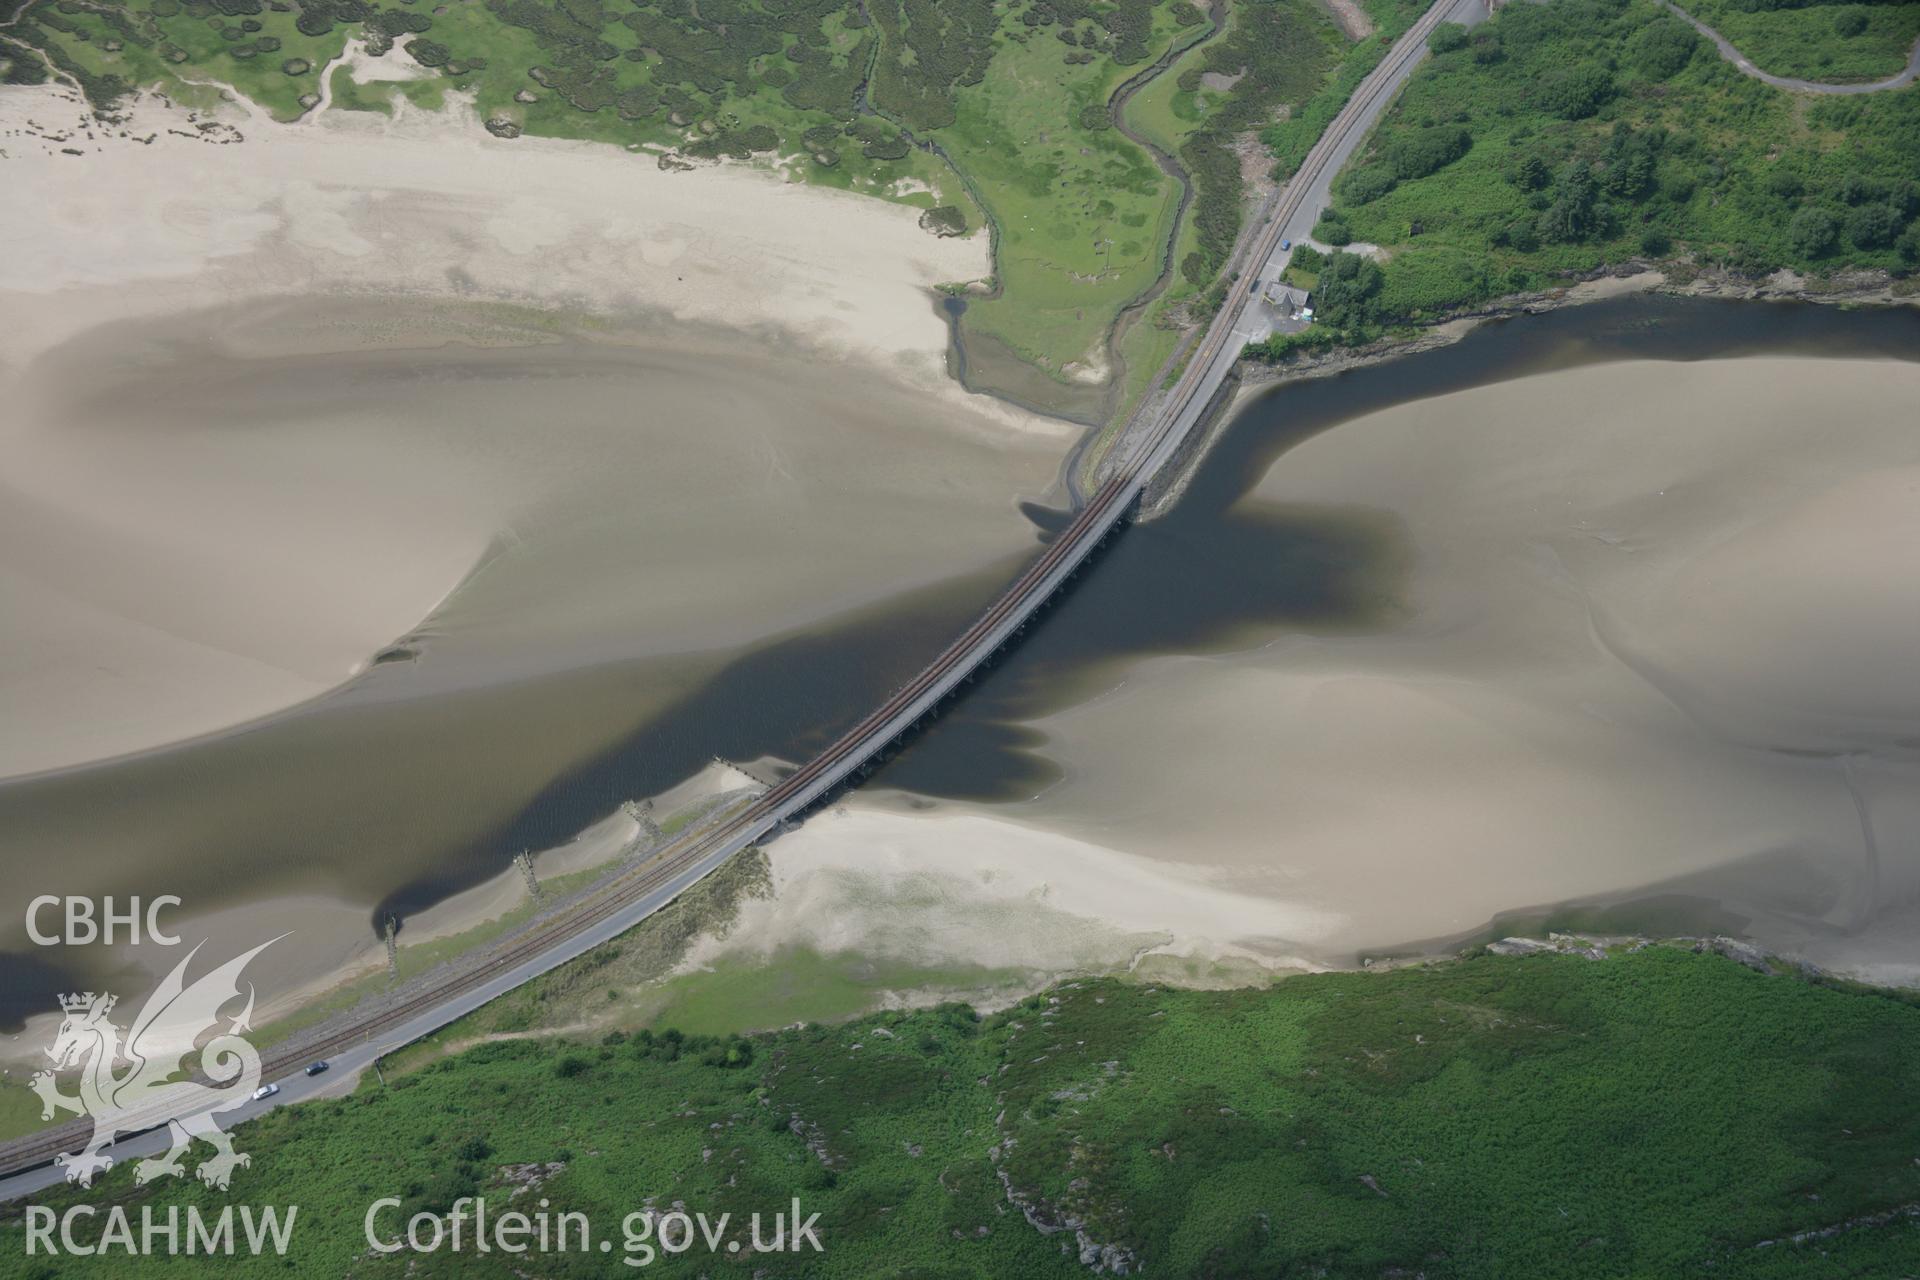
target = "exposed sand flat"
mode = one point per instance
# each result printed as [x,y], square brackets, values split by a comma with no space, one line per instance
[230,505]
[1644,593]
[201,540]
[1660,638]
[433,205]
[952,884]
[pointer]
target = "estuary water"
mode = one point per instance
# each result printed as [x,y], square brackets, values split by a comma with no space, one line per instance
[1362,669]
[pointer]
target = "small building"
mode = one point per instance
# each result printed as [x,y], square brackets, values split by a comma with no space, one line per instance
[1286,299]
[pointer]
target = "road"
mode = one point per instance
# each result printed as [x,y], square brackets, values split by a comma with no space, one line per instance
[1156,436]
[1740,60]
[1164,426]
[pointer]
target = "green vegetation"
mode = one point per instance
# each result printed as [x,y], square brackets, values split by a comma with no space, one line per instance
[1273,56]
[1657,1113]
[588,989]
[1555,139]
[1080,212]
[110,48]
[574,993]
[974,111]
[979,113]
[751,992]
[1836,41]
[1265,88]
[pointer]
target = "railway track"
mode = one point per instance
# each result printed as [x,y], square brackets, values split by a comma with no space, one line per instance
[1166,426]
[791,795]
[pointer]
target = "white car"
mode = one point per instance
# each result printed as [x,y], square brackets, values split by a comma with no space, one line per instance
[265,1091]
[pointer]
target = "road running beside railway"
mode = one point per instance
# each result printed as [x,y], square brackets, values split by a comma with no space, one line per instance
[1163,423]
[1156,434]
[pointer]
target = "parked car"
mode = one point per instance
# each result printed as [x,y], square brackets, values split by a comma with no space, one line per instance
[315,1068]
[1285,245]
[265,1091]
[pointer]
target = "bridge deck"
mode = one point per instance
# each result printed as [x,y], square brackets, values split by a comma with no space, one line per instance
[1156,436]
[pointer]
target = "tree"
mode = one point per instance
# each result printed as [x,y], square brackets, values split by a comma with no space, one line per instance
[1661,48]
[1331,231]
[1577,92]
[1447,37]
[1630,161]
[429,54]
[1419,154]
[1367,184]
[1858,188]
[1571,217]
[1530,173]
[1873,226]
[1347,296]
[1813,232]
[1848,23]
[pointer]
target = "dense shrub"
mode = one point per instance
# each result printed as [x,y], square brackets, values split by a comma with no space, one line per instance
[1365,185]
[1447,37]
[1335,233]
[1577,92]
[1873,226]
[1813,232]
[1347,295]
[1662,48]
[1418,154]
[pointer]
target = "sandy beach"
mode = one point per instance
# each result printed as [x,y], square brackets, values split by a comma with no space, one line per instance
[391,416]
[1647,654]
[889,875]
[271,417]
[439,426]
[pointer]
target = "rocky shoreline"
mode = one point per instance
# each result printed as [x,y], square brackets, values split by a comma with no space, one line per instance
[1634,276]
[1676,279]
[1600,947]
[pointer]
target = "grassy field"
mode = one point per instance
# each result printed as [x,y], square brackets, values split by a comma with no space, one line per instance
[1657,1113]
[1830,42]
[1081,211]
[1558,138]
[743,994]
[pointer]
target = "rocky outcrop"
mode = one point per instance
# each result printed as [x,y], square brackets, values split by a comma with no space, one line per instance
[1044,1218]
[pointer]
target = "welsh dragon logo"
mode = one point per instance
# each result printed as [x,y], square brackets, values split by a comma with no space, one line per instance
[146,1092]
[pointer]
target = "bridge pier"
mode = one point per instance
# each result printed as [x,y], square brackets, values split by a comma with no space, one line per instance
[642,815]
[740,768]
[523,860]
